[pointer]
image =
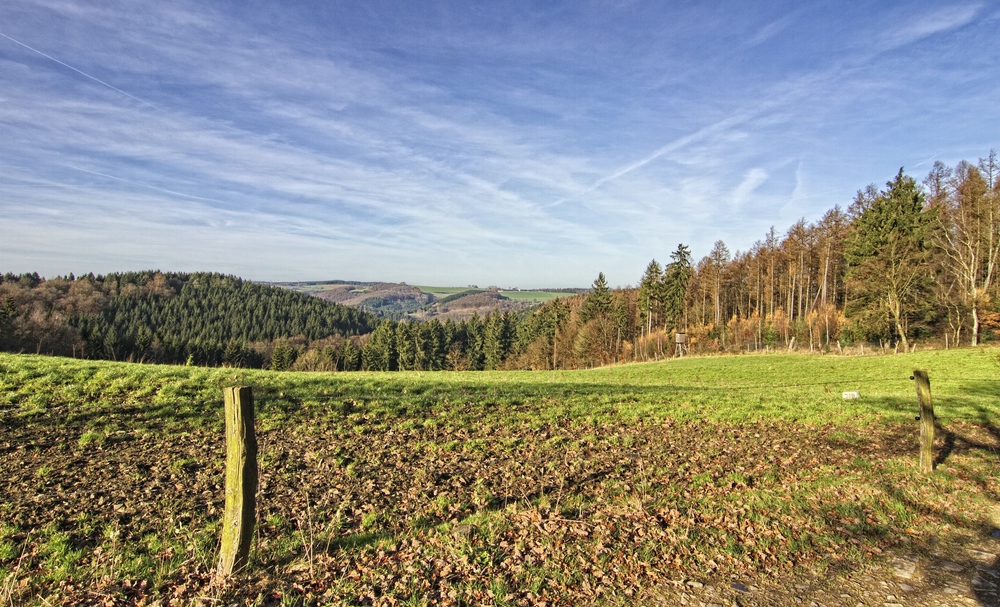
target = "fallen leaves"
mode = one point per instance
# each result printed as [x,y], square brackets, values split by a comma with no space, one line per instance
[527,512]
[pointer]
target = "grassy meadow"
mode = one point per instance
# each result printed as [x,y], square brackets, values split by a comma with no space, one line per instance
[535,296]
[528,296]
[603,486]
[443,291]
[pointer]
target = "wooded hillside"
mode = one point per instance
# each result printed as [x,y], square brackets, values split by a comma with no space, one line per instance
[910,262]
[206,319]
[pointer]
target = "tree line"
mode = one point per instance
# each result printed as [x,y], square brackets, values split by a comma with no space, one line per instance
[216,320]
[201,318]
[910,261]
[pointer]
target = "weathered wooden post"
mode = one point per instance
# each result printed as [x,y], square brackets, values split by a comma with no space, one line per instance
[241,481]
[926,421]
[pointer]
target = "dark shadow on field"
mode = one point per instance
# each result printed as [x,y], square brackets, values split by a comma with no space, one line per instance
[984,584]
[355,540]
[939,555]
[954,442]
[969,402]
[499,502]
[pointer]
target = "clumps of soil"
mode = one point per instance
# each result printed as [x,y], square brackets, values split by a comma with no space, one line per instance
[355,508]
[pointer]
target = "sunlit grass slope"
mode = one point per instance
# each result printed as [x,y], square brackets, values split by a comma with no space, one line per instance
[799,388]
[577,487]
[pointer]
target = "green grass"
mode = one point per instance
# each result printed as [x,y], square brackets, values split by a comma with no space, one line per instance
[530,296]
[535,296]
[800,388]
[368,450]
[441,291]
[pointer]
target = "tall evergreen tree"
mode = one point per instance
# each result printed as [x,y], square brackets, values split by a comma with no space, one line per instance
[888,256]
[379,353]
[651,294]
[676,278]
[598,300]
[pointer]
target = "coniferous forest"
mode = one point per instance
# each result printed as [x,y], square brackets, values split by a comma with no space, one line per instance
[911,262]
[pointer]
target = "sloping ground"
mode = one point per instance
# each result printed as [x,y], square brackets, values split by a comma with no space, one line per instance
[396,300]
[481,303]
[357,294]
[418,490]
[524,515]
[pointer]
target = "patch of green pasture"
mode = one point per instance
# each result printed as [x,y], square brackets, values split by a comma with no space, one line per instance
[869,498]
[788,387]
[441,291]
[536,296]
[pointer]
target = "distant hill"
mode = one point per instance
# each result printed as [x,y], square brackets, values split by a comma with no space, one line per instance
[201,318]
[400,301]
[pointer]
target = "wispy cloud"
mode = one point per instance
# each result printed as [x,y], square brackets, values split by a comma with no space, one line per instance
[941,19]
[78,71]
[753,179]
[509,146]
[770,30]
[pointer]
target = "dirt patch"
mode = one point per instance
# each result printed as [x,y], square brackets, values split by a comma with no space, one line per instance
[356,509]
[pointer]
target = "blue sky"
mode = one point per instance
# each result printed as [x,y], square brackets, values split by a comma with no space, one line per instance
[514,143]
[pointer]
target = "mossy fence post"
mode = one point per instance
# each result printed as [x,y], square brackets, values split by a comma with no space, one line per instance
[923,383]
[241,481]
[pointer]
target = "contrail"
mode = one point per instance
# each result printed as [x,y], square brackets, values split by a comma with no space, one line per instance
[670,147]
[81,72]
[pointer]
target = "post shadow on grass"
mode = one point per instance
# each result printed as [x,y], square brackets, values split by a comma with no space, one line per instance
[361,539]
[330,545]
[954,441]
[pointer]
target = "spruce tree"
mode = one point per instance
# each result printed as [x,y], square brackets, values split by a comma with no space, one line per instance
[379,353]
[676,278]
[598,300]
[651,294]
[888,256]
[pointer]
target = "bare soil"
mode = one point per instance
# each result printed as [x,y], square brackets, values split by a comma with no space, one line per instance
[351,512]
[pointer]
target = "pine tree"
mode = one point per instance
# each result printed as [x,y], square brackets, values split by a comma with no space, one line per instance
[888,256]
[650,294]
[598,300]
[676,278]
[379,353]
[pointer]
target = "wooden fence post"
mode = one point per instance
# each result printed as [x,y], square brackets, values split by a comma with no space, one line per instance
[926,421]
[241,481]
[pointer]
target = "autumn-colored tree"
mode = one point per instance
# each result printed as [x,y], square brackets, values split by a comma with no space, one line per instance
[968,213]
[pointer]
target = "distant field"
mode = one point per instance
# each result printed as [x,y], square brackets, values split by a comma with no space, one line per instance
[442,291]
[536,296]
[311,288]
[500,488]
